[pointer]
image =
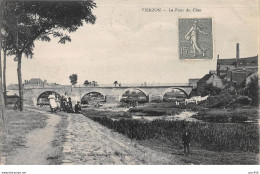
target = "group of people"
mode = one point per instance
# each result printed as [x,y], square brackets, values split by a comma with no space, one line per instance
[63,104]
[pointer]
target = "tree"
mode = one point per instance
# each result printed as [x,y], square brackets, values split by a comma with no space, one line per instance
[86,83]
[94,83]
[2,109]
[252,89]
[210,89]
[73,79]
[6,43]
[115,83]
[27,21]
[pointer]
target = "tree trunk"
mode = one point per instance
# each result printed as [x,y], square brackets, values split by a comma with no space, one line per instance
[2,109]
[20,83]
[4,79]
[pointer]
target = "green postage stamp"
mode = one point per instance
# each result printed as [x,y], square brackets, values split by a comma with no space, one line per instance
[195,38]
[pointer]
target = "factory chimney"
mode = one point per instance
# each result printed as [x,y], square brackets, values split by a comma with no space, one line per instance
[237,53]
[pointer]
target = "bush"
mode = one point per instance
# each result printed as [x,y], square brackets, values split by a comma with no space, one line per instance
[218,101]
[244,100]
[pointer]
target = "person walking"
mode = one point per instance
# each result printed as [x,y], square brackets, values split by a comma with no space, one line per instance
[186,142]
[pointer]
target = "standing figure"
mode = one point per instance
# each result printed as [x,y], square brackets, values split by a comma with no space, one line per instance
[192,35]
[69,106]
[53,104]
[186,142]
[77,108]
[57,102]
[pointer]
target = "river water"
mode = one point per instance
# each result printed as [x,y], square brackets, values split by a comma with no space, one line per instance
[185,115]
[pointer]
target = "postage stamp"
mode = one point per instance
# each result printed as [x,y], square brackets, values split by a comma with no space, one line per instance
[195,38]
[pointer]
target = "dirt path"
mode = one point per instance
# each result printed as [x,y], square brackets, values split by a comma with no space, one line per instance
[88,142]
[38,143]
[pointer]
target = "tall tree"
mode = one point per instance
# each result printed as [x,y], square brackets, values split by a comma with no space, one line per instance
[27,21]
[73,79]
[2,109]
[6,47]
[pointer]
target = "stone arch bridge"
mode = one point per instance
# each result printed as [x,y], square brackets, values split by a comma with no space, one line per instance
[111,94]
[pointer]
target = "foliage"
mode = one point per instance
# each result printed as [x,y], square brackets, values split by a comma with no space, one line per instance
[210,89]
[115,83]
[73,79]
[94,83]
[211,136]
[27,21]
[109,114]
[238,115]
[252,89]
[86,83]
[218,101]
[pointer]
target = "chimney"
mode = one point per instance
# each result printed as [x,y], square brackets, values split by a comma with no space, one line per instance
[237,51]
[218,66]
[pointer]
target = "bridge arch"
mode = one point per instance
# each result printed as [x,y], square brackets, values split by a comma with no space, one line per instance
[42,99]
[172,88]
[98,96]
[135,89]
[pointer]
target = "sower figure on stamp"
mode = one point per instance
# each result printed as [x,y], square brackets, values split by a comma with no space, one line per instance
[192,35]
[186,142]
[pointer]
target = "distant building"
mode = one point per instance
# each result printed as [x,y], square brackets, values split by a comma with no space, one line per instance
[212,72]
[12,87]
[213,79]
[34,81]
[193,82]
[236,70]
[249,64]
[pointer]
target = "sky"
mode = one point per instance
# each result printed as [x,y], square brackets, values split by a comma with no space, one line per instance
[132,46]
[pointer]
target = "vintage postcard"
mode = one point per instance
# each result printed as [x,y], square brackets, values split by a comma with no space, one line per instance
[129,82]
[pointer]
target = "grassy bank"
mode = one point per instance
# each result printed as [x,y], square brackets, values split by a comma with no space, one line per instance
[18,124]
[238,115]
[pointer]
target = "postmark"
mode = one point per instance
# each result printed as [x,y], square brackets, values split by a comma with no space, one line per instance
[195,38]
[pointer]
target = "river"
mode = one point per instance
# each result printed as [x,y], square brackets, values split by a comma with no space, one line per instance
[185,115]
